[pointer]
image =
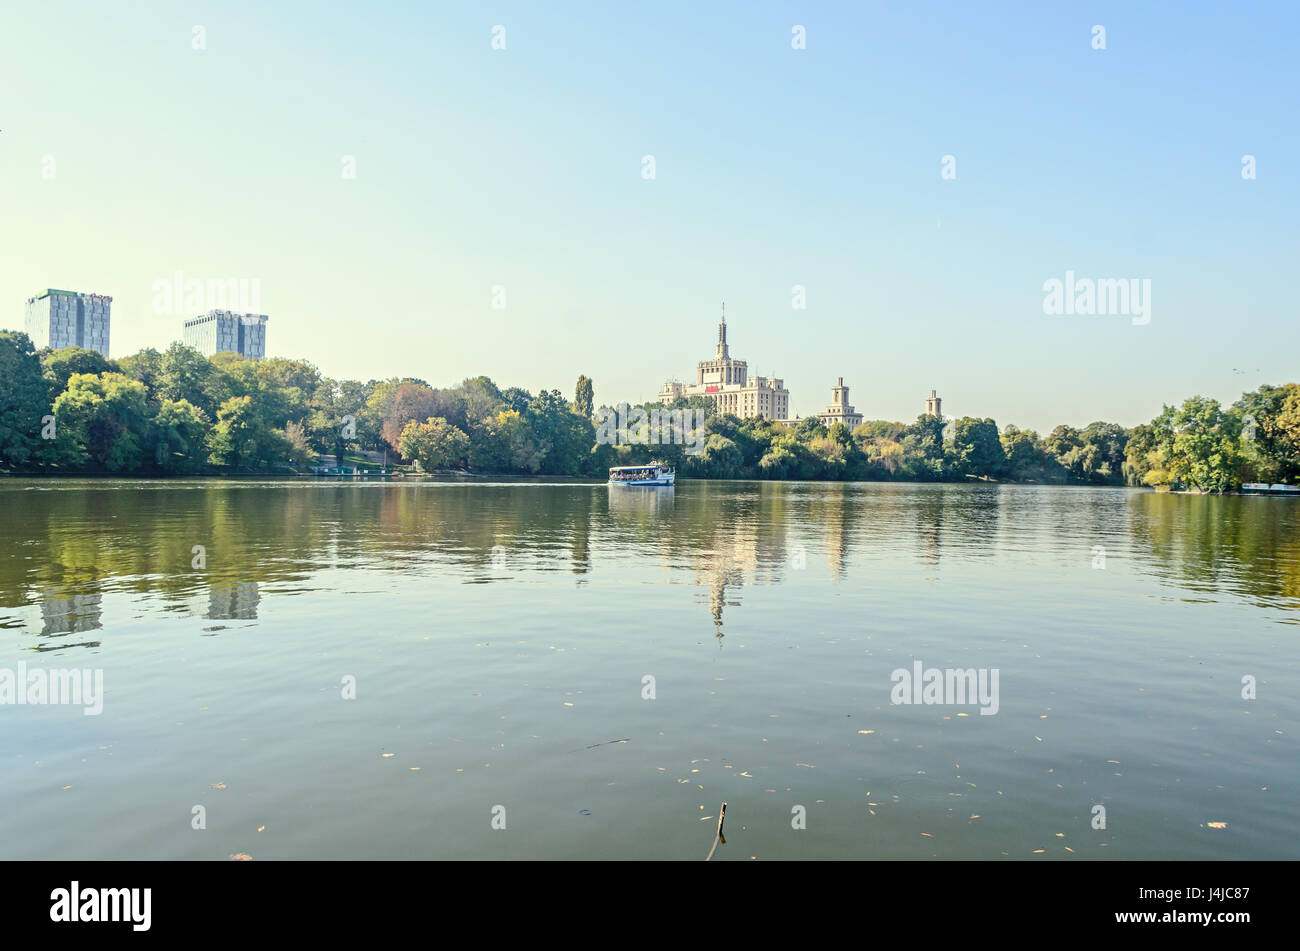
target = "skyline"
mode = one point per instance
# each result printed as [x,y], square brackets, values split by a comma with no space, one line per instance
[522,168]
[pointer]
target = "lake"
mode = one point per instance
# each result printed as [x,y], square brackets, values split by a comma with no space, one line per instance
[356,670]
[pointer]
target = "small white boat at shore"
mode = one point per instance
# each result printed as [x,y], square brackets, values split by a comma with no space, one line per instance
[653,473]
[1264,488]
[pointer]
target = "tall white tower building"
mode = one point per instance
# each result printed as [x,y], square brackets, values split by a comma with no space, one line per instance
[726,382]
[840,410]
[60,319]
[219,331]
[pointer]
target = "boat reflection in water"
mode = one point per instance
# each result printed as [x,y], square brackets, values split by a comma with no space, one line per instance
[640,499]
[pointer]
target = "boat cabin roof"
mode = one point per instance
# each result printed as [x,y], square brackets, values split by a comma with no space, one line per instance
[648,465]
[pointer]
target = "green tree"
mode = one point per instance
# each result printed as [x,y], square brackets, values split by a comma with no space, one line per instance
[102,422]
[505,443]
[186,374]
[333,419]
[1142,455]
[24,399]
[180,434]
[146,367]
[809,428]
[480,398]
[721,458]
[1270,419]
[241,436]
[565,436]
[977,448]
[1027,460]
[516,398]
[1206,446]
[584,399]
[60,365]
[1103,452]
[928,432]
[434,444]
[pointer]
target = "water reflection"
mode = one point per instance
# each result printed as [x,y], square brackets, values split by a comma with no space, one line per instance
[236,601]
[639,501]
[66,547]
[63,613]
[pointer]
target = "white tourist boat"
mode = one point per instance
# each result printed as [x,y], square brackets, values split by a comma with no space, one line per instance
[652,473]
[1263,488]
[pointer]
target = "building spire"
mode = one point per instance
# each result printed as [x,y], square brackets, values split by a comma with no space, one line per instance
[722,333]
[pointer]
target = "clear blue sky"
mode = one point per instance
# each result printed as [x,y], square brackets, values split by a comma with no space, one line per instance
[774,167]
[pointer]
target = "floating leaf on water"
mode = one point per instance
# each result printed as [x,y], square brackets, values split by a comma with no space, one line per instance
[584,812]
[864,732]
[261,828]
[241,857]
[1217,825]
[386,755]
[216,785]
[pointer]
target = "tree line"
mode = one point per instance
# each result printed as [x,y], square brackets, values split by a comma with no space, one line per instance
[1199,445]
[177,412]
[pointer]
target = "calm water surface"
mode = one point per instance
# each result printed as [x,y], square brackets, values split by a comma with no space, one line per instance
[500,637]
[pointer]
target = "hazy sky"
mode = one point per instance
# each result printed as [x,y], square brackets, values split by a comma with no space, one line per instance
[774,167]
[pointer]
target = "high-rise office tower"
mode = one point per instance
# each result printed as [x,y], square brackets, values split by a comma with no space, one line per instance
[222,330]
[69,319]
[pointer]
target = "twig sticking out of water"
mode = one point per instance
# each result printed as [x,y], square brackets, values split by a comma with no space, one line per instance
[722,816]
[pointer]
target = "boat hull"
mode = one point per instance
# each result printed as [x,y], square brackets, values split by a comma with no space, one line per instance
[664,480]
